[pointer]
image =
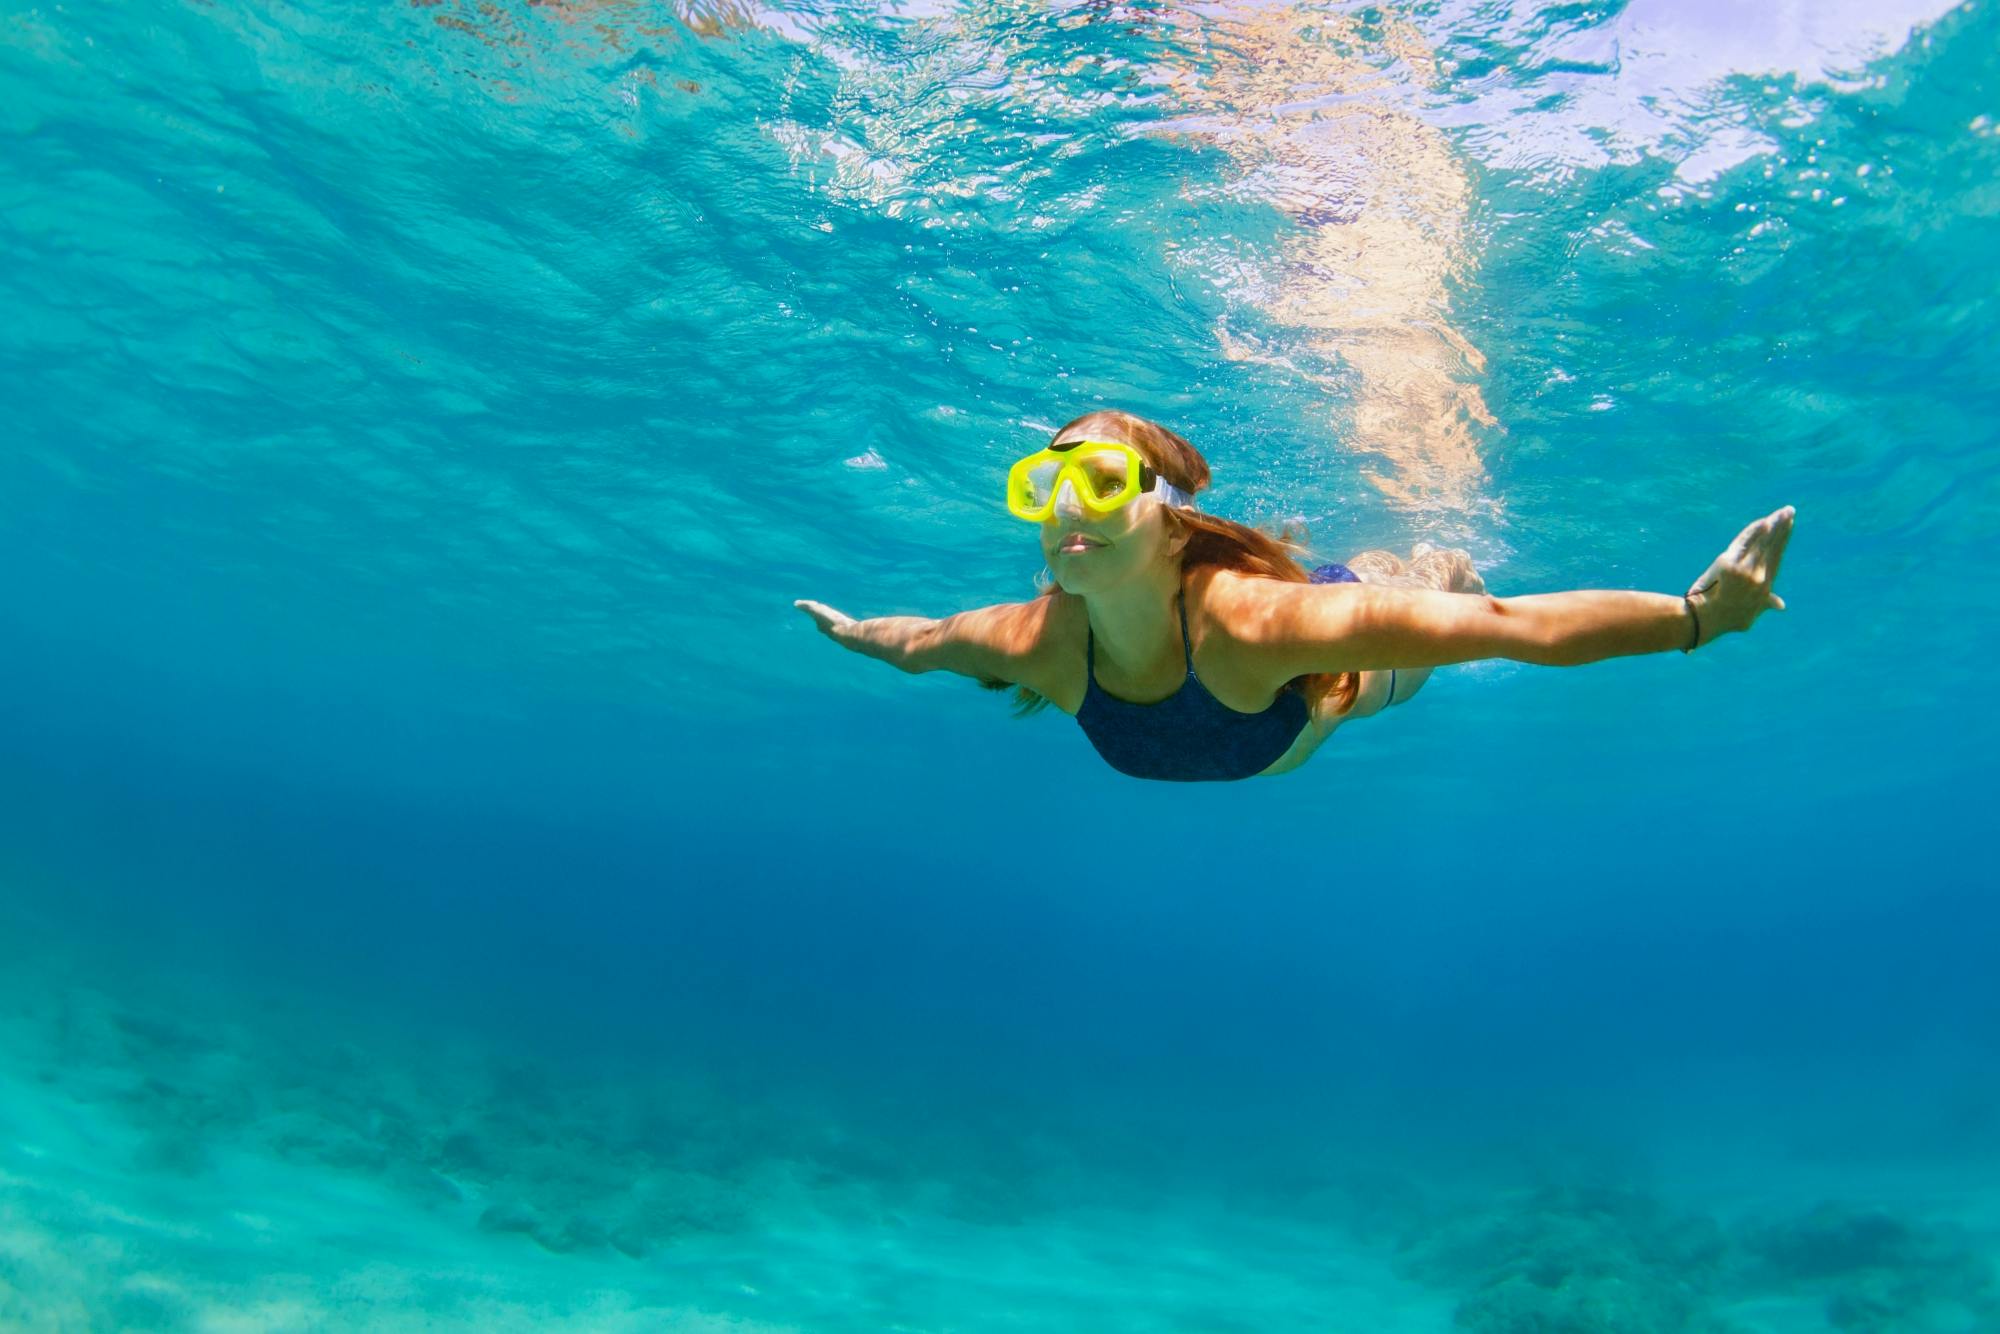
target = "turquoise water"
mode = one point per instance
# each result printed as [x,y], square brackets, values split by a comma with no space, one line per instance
[447,885]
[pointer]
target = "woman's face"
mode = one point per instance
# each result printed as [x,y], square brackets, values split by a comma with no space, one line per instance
[1088,552]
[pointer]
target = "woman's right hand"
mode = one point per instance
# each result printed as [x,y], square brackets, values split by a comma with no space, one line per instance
[829,621]
[1736,587]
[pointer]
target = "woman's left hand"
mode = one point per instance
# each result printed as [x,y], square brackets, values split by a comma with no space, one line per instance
[1736,588]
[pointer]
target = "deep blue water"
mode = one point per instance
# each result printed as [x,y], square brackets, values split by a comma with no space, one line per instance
[444,880]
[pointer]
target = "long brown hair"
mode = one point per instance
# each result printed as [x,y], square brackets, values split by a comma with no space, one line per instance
[1212,541]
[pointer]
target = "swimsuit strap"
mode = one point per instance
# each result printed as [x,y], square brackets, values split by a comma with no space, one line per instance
[1187,648]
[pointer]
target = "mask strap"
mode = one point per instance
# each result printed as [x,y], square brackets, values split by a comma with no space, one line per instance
[1170,494]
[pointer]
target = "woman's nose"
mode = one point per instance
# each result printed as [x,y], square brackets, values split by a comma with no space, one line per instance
[1067,503]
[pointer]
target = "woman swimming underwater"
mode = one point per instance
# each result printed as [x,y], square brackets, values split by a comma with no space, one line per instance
[1190,647]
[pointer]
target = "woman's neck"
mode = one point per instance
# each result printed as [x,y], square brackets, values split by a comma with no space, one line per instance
[1137,623]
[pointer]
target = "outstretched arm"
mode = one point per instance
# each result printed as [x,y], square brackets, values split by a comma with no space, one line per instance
[988,643]
[1349,627]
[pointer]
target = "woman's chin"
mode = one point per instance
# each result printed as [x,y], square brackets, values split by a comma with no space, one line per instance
[1078,575]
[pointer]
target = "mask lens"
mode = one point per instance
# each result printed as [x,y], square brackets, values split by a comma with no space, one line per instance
[1040,482]
[1107,472]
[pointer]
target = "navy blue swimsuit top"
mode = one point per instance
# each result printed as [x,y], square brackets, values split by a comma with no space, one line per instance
[1190,736]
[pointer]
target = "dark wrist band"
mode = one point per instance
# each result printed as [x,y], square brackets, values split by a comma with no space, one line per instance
[1694,636]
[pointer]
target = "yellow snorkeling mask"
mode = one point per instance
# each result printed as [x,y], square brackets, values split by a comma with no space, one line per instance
[1105,474]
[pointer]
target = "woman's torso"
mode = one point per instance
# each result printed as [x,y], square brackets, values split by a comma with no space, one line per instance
[1222,671]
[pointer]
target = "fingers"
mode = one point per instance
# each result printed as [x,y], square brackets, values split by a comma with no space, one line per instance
[1779,534]
[1752,538]
[1759,549]
[1765,551]
[1744,543]
[825,617]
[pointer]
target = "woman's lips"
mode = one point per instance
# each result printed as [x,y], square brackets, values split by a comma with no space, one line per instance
[1076,542]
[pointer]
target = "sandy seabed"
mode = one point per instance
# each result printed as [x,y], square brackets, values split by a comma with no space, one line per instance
[177,1156]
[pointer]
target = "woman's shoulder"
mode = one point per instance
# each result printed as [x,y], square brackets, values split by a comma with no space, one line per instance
[1061,623]
[1259,622]
[1055,627]
[1043,630]
[1023,629]
[1239,603]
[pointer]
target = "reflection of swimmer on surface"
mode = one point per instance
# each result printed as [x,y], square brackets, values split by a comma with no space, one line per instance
[1192,647]
[1306,103]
